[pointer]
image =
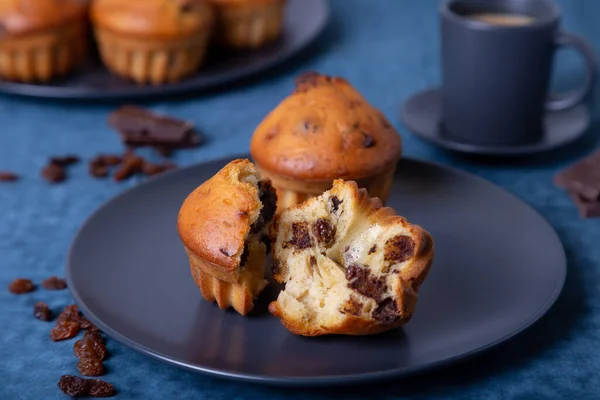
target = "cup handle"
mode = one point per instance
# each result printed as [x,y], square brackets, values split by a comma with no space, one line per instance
[576,96]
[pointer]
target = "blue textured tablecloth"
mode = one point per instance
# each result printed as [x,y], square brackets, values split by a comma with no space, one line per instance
[388,49]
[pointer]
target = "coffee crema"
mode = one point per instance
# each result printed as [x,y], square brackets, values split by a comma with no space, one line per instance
[504,19]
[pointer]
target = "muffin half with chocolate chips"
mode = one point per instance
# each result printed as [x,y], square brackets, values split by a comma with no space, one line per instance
[325,130]
[350,266]
[223,225]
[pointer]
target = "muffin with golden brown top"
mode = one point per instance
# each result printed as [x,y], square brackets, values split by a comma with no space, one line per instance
[41,39]
[153,41]
[324,131]
[222,225]
[350,266]
[248,24]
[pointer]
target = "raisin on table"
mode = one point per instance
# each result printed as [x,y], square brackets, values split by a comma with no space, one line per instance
[54,283]
[89,347]
[73,385]
[100,388]
[64,330]
[90,367]
[42,312]
[21,285]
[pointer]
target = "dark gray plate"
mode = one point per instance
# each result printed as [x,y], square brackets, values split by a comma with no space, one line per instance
[304,20]
[499,267]
[422,114]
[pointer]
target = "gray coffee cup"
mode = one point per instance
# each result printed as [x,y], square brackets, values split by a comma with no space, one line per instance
[497,58]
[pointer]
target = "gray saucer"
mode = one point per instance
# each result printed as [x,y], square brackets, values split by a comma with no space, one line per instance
[422,115]
[499,267]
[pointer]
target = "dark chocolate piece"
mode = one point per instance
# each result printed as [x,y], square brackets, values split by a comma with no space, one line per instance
[361,280]
[582,177]
[587,209]
[140,127]
[399,249]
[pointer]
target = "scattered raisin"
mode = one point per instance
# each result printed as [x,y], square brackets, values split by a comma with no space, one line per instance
[42,312]
[399,249]
[94,335]
[6,176]
[130,166]
[64,330]
[73,385]
[154,169]
[54,173]
[100,388]
[300,236]
[89,347]
[84,323]
[323,231]
[69,314]
[54,283]
[373,249]
[361,280]
[387,312]
[335,203]
[97,170]
[21,285]
[90,367]
[111,160]
[64,161]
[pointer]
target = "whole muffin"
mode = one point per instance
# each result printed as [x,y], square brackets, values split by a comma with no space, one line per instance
[223,225]
[248,24]
[41,39]
[324,131]
[152,41]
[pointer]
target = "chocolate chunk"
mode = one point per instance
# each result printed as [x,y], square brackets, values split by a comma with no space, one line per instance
[275,268]
[387,312]
[54,173]
[361,280]
[587,209]
[373,249]
[323,231]
[399,249]
[64,161]
[268,198]
[300,236]
[245,254]
[140,127]
[368,141]
[335,203]
[42,312]
[582,177]
[6,176]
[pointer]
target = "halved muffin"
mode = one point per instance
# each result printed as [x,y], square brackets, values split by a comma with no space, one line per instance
[325,130]
[41,39]
[223,225]
[350,266]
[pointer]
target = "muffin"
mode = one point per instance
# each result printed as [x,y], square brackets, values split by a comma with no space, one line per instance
[324,131]
[152,41]
[223,225]
[41,39]
[350,266]
[247,24]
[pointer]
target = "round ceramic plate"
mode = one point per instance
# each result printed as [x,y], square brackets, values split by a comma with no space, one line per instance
[499,267]
[304,20]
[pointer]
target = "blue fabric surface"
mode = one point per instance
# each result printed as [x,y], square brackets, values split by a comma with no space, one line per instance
[388,49]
